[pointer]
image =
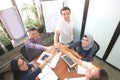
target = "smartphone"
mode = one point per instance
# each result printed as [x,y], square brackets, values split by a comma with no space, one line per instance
[45,57]
[71,69]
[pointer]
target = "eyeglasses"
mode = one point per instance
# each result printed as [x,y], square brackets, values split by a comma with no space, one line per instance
[21,64]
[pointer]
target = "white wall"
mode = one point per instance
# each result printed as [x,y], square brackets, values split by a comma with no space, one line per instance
[103,17]
[114,56]
[4,4]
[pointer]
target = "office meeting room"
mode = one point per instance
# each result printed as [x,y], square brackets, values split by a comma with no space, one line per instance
[59,39]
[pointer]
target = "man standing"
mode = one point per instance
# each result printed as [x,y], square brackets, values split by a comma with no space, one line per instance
[64,30]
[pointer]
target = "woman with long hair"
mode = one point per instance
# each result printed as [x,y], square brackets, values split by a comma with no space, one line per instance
[23,71]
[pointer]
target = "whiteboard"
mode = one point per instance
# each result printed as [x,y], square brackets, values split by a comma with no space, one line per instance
[12,22]
[51,13]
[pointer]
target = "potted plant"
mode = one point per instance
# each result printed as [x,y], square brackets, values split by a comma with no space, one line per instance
[32,19]
[37,21]
[38,25]
[5,40]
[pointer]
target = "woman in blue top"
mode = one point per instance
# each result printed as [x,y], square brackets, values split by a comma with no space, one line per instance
[23,71]
[85,47]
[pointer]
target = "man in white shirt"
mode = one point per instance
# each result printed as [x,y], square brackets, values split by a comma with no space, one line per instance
[92,72]
[64,31]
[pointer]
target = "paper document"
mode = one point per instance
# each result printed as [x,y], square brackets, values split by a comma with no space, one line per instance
[53,62]
[46,70]
[81,70]
[47,74]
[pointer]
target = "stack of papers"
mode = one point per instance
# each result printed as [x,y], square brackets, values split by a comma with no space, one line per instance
[53,62]
[47,74]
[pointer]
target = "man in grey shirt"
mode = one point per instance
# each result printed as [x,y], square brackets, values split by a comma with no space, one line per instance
[65,29]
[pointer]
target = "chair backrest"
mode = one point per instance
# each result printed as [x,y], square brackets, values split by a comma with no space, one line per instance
[23,52]
[96,47]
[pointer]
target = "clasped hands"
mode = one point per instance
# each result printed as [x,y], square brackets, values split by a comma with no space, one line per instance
[64,49]
[61,47]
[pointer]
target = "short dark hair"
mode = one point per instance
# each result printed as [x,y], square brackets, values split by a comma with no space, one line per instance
[32,29]
[65,8]
[103,75]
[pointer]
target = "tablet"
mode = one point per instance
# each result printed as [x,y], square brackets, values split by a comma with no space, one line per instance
[68,61]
